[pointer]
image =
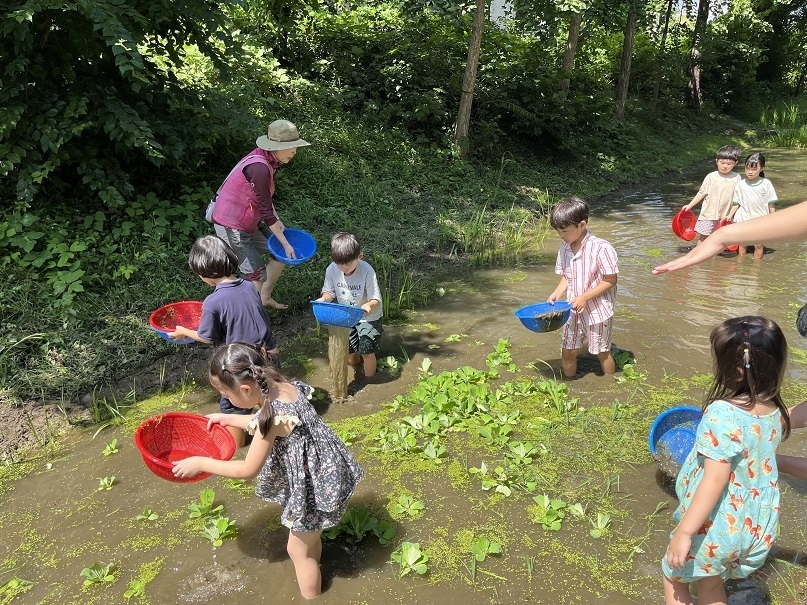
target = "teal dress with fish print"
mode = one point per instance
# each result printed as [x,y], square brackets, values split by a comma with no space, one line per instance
[735,539]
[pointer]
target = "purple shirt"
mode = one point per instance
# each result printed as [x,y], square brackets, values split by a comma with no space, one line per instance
[234,313]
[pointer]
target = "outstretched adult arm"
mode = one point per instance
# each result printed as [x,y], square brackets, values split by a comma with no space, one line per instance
[788,225]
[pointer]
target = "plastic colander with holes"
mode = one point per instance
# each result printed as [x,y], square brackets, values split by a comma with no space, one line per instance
[164,439]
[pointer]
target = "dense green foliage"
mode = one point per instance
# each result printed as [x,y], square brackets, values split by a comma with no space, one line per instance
[119,118]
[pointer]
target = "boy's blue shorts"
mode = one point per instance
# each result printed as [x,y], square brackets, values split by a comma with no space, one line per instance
[365,337]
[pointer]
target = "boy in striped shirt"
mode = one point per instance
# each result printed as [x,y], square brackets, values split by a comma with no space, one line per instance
[587,266]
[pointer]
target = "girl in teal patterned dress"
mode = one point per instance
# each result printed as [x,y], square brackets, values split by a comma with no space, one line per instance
[299,461]
[728,491]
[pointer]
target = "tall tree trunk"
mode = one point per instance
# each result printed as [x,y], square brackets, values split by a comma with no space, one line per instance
[571,49]
[462,126]
[694,97]
[624,65]
[660,57]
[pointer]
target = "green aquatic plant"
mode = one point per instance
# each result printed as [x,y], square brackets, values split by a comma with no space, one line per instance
[435,451]
[13,588]
[502,480]
[106,483]
[521,453]
[549,513]
[135,588]
[98,573]
[425,368]
[218,529]
[483,547]
[204,507]
[390,363]
[577,510]
[347,436]
[455,337]
[407,505]
[410,559]
[500,357]
[147,515]
[110,448]
[601,525]
[357,523]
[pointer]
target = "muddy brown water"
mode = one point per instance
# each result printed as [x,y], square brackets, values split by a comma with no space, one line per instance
[56,521]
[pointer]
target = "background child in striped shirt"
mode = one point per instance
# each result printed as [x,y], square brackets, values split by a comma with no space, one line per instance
[588,269]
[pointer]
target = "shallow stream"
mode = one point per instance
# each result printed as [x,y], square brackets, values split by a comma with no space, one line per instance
[57,521]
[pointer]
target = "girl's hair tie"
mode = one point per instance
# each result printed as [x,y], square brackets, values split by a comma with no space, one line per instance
[746,356]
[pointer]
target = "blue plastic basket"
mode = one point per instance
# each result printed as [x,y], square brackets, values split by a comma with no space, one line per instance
[304,244]
[545,316]
[672,437]
[336,314]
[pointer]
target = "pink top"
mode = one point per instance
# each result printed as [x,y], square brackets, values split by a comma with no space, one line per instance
[237,205]
[585,270]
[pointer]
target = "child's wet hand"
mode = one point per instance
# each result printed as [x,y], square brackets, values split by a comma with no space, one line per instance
[678,550]
[179,332]
[216,418]
[578,303]
[189,467]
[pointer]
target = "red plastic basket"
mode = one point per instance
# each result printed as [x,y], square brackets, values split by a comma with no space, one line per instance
[166,438]
[683,225]
[723,223]
[186,313]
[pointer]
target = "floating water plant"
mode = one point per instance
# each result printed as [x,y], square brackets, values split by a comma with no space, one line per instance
[147,515]
[549,513]
[483,547]
[219,529]
[13,588]
[410,559]
[346,435]
[110,448]
[204,507]
[455,337]
[407,505]
[601,525]
[98,573]
[136,588]
[357,523]
[434,451]
[500,357]
[106,483]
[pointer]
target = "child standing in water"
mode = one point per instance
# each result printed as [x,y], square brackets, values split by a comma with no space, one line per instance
[716,192]
[587,266]
[299,461]
[727,488]
[754,196]
[232,313]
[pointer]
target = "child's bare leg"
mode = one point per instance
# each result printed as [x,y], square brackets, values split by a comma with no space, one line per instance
[607,362]
[742,251]
[711,591]
[568,359]
[353,359]
[676,593]
[759,250]
[305,550]
[369,364]
[273,270]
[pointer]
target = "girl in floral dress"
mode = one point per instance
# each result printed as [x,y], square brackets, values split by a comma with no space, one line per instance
[299,461]
[728,491]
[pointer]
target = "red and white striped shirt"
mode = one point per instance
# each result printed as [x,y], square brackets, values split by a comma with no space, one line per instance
[585,270]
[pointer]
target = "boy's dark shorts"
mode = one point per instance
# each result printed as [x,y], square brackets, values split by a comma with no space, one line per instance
[365,337]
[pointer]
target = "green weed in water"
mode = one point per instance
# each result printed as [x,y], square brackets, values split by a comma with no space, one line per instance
[407,505]
[147,515]
[106,483]
[410,559]
[98,573]
[110,448]
[601,525]
[549,512]
[218,529]
[204,507]
[13,588]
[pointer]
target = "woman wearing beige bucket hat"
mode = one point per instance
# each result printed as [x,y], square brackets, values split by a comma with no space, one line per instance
[245,203]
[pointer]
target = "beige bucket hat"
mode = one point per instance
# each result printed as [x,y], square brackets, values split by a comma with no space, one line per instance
[282,134]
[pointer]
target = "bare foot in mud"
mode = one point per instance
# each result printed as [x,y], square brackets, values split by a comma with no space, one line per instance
[274,304]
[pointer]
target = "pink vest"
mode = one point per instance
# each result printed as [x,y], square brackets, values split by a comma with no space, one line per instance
[236,204]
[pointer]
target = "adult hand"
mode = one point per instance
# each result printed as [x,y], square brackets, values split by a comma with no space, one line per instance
[708,248]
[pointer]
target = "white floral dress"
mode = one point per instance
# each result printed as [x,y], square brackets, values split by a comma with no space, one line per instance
[311,473]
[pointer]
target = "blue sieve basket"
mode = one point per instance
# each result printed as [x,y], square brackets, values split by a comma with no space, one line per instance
[674,432]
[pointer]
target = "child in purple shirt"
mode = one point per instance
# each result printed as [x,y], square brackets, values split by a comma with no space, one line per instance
[232,313]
